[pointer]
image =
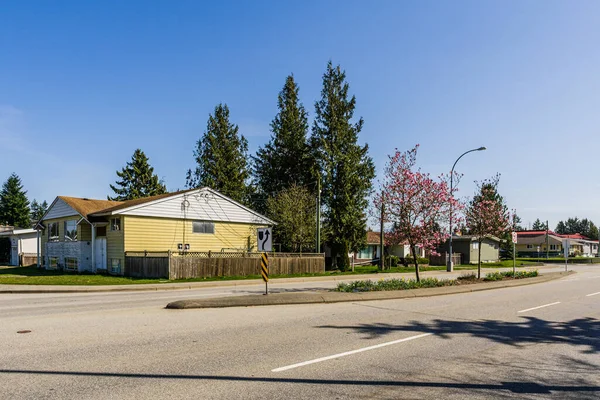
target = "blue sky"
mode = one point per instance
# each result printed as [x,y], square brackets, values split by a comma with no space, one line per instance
[83,84]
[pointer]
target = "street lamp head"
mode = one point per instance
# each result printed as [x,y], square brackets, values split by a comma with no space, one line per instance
[481,148]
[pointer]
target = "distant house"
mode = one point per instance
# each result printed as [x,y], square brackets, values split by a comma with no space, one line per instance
[372,251]
[538,243]
[23,245]
[468,247]
[81,234]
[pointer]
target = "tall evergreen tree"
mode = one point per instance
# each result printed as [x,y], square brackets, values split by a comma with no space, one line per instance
[286,160]
[346,168]
[137,180]
[538,225]
[221,158]
[38,210]
[14,206]
[575,225]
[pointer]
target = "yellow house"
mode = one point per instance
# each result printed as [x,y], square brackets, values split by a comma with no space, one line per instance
[80,234]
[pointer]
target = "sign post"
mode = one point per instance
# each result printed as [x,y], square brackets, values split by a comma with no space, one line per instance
[566,246]
[264,270]
[265,244]
[514,240]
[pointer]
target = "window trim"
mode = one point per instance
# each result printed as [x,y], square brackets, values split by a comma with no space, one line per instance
[50,259]
[54,238]
[70,259]
[113,225]
[475,245]
[112,269]
[68,238]
[204,225]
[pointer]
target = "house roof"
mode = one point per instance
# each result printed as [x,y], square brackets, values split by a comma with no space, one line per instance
[85,206]
[92,209]
[473,237]
[373,237]
[121,205]
[534,233]
[18,231]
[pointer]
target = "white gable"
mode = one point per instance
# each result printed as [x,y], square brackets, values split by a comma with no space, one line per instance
[204,204]
[59,209]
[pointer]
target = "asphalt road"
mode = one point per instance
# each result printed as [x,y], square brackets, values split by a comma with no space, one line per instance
[537,341]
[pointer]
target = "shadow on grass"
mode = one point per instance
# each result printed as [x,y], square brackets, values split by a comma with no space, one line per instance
[582,332]
[29,271]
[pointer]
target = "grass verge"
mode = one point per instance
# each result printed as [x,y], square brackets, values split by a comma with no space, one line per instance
[33,276]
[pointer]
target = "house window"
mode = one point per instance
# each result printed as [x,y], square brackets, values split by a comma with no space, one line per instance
[115,265]
[530,246]
[203,227]
[53,262]
[71,230]
[553,247]
[475,245]
[115,224]
[71,264]
[53,232]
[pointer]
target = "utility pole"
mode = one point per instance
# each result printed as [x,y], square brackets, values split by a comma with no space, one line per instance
[381,242]
[318,246]
[547,240]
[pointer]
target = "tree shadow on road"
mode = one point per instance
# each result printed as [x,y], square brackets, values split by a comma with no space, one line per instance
[582,332]
[580,392]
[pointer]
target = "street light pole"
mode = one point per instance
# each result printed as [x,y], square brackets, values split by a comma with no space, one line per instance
[450,265]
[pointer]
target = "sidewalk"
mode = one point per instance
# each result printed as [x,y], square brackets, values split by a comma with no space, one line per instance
[33,289]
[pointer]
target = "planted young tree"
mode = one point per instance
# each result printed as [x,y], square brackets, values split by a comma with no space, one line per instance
[487,214]
[294,210]
[38,210]
[286,160]
[14,206]
[221,158]
[345,167]
[137,180]
[415,204]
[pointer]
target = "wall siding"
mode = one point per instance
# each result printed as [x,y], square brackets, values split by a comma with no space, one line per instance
[115,245]
[60,209]
[205,205]
[162,234]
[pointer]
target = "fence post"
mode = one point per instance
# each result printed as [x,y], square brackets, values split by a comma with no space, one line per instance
[169,265]
[145,264]
[209,253]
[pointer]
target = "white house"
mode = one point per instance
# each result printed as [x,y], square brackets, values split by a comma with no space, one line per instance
[23,243]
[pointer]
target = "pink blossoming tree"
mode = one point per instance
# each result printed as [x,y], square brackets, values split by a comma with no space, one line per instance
[487,215]
[416,205]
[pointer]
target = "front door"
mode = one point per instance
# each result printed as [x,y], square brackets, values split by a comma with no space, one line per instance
[100,253]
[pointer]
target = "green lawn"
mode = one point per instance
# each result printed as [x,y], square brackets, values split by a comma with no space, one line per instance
[33,276]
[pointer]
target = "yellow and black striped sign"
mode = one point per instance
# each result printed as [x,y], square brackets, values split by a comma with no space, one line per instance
[264,266]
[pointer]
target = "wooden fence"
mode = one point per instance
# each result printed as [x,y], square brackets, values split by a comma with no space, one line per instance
[442,259]
[210,264]
[27,259]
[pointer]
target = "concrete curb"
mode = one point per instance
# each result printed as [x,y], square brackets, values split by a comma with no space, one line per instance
[336,297]
[40,289]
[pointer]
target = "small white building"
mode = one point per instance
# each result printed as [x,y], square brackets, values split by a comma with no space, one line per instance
[23,243]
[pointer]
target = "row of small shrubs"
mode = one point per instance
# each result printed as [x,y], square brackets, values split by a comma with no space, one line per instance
[498,276]
[405,284]
[392,284]
[395,261]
